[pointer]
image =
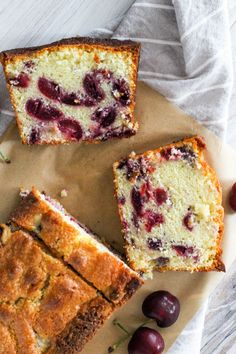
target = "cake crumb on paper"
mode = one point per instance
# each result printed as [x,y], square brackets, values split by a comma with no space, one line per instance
[64,193]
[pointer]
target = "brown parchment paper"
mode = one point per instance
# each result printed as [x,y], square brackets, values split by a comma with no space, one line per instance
[86,172]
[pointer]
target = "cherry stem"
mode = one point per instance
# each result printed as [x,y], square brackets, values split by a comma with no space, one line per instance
[4,158]
[118,324]
[112,348]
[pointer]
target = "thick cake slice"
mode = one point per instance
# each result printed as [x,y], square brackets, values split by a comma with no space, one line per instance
[44,306]
[77,89]
[169,203]
[77,245]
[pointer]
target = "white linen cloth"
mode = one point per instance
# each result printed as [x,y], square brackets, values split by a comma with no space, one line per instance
[186,54]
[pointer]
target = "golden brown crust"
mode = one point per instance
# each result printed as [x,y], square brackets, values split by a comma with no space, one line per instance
[84,253]
[87,43]
[40,298]
[198,144]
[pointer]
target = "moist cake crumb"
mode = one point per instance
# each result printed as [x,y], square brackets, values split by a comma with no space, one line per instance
[169,202]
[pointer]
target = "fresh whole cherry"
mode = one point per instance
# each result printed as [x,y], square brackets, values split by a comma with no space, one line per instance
[146,341]
[163,307]
[232,197]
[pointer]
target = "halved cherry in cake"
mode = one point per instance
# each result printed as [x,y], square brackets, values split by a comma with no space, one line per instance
[37,109]
[136,200]
[71,128]
[121,92]
[153,219]
[105,116]
[154,243]
[183,251]
[49,88]
[22,80]
[34,137]
[189,221]
[160,195]
[92,87]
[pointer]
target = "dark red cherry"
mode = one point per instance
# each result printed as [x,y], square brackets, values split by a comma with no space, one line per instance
[136,200]
[153,219]
[92,87]
[154,243]
[232,197]
[160,195]
[71,128]
[22,80]
[71,99]
[37,109]
[163,307]
[121,91]
[183,251]
[34,137]
[105,116]
[188,221]
[146,341]
[49,88]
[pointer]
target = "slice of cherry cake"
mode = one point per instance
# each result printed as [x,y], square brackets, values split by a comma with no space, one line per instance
[169,203]
[77,89]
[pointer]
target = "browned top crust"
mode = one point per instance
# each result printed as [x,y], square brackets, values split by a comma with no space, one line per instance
[84,253]
[40,297]
[113,43]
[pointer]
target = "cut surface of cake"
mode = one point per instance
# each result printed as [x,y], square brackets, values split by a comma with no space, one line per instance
[77,89]
[169,203]
[44,306]
[77,245]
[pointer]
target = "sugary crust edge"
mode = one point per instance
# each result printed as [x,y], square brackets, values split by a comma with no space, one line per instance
[112,44]
[82,328]
[128,281]
[199,145]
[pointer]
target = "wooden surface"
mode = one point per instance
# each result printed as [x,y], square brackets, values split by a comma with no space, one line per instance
[30,22]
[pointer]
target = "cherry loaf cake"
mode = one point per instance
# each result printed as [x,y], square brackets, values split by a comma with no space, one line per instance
[44,306]
[77,246]
[169,203]
[77,89]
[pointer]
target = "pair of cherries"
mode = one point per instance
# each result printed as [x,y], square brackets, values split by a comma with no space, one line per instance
[164,308]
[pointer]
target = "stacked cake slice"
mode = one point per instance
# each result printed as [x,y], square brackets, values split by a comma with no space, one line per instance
[77,246]
[170,208]
[58,283]
[44,306]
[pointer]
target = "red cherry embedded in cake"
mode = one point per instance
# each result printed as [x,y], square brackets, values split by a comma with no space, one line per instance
[34,137]
[121,92]
[71,128]
[22,80]
[160,196]
[49,88]
[146,341]
[183,251]
[188,221]
[232,197]
[37,109]
[153,219]
[92,87]
[163,307]
[136,200]
[104,116]
[154,243]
